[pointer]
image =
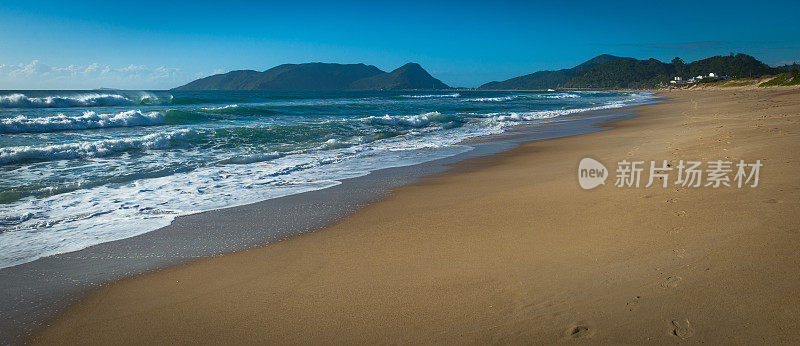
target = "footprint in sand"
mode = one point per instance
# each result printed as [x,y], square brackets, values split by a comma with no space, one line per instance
[682,328]
[579,330]
[671,282]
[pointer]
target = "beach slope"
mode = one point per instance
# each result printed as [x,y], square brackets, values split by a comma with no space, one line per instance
[508,248]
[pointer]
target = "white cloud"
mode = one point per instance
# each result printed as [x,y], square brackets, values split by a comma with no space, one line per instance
[37,75]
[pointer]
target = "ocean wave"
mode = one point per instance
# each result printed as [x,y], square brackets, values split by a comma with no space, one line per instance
[252,158]
[453,95]
[420,120]
[148,99]
[221,108]
[92,120]
[129,98]
[85,100]
[90,149]
[89,120]
[178,117]
[492,99]
[235,109]
[526,116]
[539,115]
[562,96]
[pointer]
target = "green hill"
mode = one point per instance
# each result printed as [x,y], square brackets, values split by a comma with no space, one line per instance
[623,74]
[734,66]
[319,76]
[613,72]
[548,79]
[408,76]
[639,74]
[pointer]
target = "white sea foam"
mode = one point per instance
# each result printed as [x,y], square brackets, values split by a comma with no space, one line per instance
[233,106]
[85,217]
[515,117]
[562,96]
[406,120]
[492,99]
[84,100]
[89,149]
[89,120]
[453,95]
[245,159]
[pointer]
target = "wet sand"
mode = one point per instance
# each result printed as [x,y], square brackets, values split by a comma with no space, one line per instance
[509,248]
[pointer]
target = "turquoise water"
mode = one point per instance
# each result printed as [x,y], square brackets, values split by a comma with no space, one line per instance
[78,168]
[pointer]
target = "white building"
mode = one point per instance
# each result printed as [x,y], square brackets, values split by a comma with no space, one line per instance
[677,80]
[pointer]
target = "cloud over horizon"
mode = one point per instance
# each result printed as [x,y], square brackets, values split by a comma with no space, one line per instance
[38,75]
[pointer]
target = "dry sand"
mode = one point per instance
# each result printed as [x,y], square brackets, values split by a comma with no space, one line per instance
[509,249]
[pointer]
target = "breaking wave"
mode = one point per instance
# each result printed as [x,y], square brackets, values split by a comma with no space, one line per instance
[237,110]
[562,96]
[86,100]
[492,99]
[89,149]
[453,95]
[414,120]
[89,120]
[82,100]
[92,120]
[538,115]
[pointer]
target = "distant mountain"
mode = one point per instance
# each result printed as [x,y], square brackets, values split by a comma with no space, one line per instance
[613,72]
[311,76]
[739,66]
[639,74]
[319,76]
[408,76]
[623,74]
[548,79]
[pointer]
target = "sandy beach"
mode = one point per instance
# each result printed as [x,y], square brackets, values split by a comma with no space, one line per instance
[508,248]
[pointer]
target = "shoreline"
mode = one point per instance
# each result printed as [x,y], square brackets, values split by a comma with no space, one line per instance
[39,290]
[507,248]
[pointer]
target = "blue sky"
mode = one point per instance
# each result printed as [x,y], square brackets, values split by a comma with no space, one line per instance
[159,44]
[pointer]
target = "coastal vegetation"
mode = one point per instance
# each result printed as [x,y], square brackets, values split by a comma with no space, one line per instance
[628,73]
[549,79]
[784,79]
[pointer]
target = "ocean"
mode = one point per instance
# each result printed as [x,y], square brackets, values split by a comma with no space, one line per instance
[79,168]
